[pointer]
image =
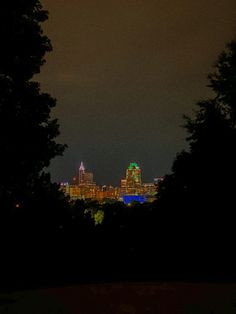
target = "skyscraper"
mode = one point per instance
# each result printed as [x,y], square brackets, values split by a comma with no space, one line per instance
[81,173]
[84,178]
[133,176]
[88,178]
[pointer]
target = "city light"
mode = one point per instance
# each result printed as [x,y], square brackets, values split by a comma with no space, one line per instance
[131,188]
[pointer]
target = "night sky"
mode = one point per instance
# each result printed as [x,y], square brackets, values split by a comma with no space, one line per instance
[124,72]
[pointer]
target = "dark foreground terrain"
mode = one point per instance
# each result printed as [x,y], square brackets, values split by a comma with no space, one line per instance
[134,298]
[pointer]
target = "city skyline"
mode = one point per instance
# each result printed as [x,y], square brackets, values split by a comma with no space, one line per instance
[131,188]
[83,167]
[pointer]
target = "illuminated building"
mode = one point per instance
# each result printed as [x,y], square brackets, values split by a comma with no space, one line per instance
[84,178]
[123,185]
[133,176]
[88,178]
[81,173]
[150,191]
[131,185]
[131,189]
[158,180]
[131,182]
[129,199]
[109,193]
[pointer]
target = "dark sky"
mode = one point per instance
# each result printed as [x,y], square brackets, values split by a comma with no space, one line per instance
[124,72]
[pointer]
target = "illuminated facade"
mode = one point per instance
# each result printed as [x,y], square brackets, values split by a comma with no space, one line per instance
[131,188]
[131,185]
[133,176]
[84,178]
[81,173]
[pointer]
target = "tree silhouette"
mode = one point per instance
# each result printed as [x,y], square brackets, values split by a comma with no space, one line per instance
[223,81]
[197,198]
[27,131]
[206,169]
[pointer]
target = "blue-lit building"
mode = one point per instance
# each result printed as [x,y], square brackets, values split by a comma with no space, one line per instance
[133,190]
[128,199]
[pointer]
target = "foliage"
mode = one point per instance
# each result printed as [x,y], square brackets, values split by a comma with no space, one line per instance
[98,217]
[223,82]
[203,174]
[27,131]
[197,199]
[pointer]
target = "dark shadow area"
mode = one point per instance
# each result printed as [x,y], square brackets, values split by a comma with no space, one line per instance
[133,243]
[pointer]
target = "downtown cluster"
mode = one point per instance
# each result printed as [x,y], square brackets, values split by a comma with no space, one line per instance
[131,188]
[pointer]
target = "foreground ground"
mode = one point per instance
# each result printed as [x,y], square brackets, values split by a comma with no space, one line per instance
[133,298]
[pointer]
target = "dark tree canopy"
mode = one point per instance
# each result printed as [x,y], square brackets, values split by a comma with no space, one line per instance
[27,131]
[204,173]
[197,200]
[200,191]
[223,81]
[23,44]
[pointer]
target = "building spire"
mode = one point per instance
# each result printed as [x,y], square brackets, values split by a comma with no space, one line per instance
[81,168]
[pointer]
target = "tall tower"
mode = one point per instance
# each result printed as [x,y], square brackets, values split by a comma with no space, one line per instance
[133,175]
[81,173]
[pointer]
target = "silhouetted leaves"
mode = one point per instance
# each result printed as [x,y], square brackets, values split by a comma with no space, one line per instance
[199,194]
[27,131]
